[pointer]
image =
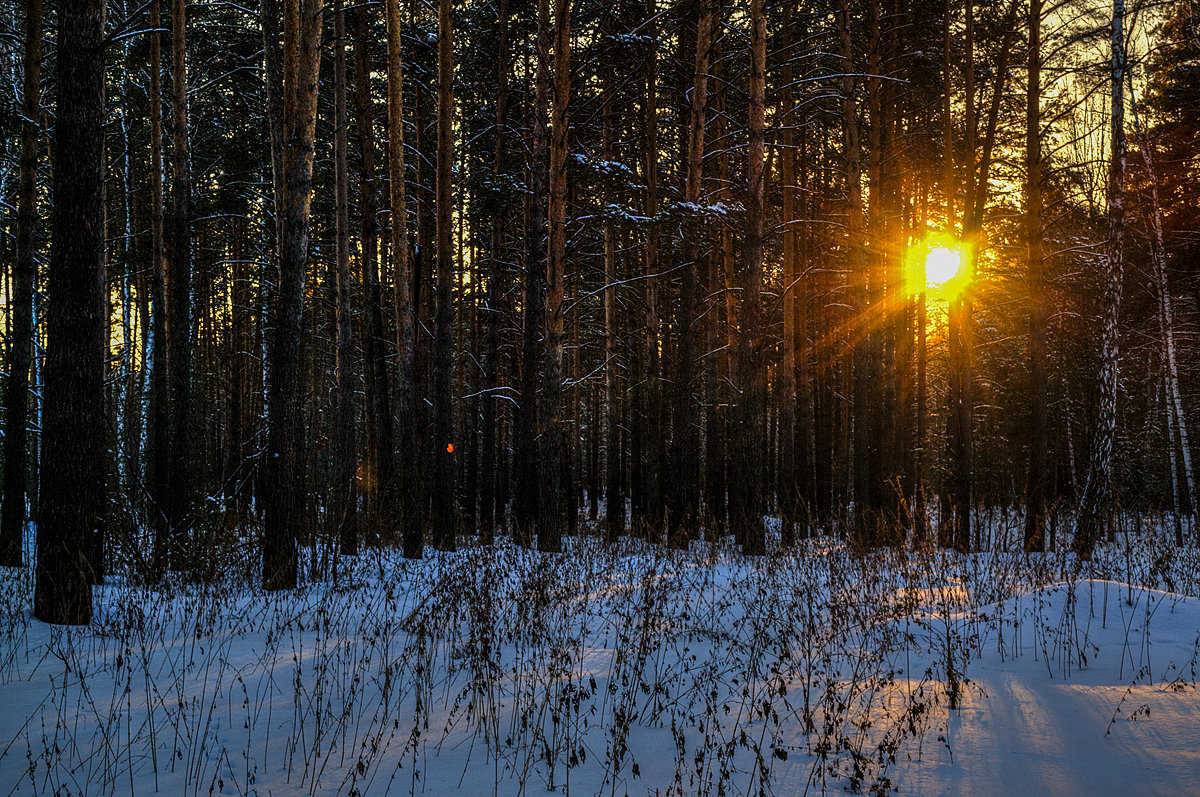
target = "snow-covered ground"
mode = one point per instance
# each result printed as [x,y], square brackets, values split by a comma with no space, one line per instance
[627,671]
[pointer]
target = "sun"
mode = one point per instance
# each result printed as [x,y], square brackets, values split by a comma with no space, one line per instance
[942,264]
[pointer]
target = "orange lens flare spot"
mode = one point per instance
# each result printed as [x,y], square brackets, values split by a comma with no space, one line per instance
[449,448]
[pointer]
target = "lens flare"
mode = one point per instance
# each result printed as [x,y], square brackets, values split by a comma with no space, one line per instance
[941,265]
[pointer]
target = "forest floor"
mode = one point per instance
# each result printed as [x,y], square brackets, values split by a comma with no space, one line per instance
[628,670]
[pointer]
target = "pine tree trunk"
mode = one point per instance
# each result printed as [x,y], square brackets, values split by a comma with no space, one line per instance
[1166,321]
[550,529]
[282,488]
[491,366]
[160,410]
[531,472]
[650,421]
[685,485]
[380,455]
[344,508]
[16,396]
[72,493]
[179,294]
[1036,486]
[787,482]
[445,503]
[746,509]
[1096,506]
[408,492]
[614,518]
[865,452]
[245,365]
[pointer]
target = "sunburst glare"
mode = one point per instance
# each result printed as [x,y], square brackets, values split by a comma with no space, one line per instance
[941,265]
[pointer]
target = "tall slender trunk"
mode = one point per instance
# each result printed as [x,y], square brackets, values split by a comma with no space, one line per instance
[865,449]
[1166,320]
[685,486]
[16,396]
[159,411]
[651,419]
[375,347]
[874,524]
[959,325]
[408,493]
[614,521]
[1096,506]
[786,485]
[244,365]
[1036,485]
[747,506]
[345,495]
[179,294]
[282,487]
[491,366]
[445,503]
[550,531]
[72,494]
[531,471]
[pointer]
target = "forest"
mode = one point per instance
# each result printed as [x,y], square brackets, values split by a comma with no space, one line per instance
[498,327]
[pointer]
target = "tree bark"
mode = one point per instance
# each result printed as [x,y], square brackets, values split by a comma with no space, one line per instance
[72,494]
[160,410]
[282,488]
[685,486]
[1096,506]
[179,294]
[408,492]
[550,529]
[379,464]
[344,507]
[531,471]
[445,504]
[16,397]
[614,518]
[1166,320]
[746,506]
[650,422]
[786,484]
[491,367]
[1035,489]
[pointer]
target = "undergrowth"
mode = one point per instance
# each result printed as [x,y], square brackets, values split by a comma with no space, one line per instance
[606,670]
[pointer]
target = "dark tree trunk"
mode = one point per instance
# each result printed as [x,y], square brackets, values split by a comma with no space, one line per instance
[551,526]
[282,488]
[786,485]
[1096,506]
[344,508]
[530,470]
[614,523]
[72,493]
[685,483]
[491,362]
[865,446]
[244,388]
[160,410]
[179,294]
[650,420]
[746,506]
[409,491]
[16,397]
[445,504]
[375,346]
[1036,486]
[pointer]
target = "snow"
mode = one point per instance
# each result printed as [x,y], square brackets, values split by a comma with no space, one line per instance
[1038,719]
[626,671]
